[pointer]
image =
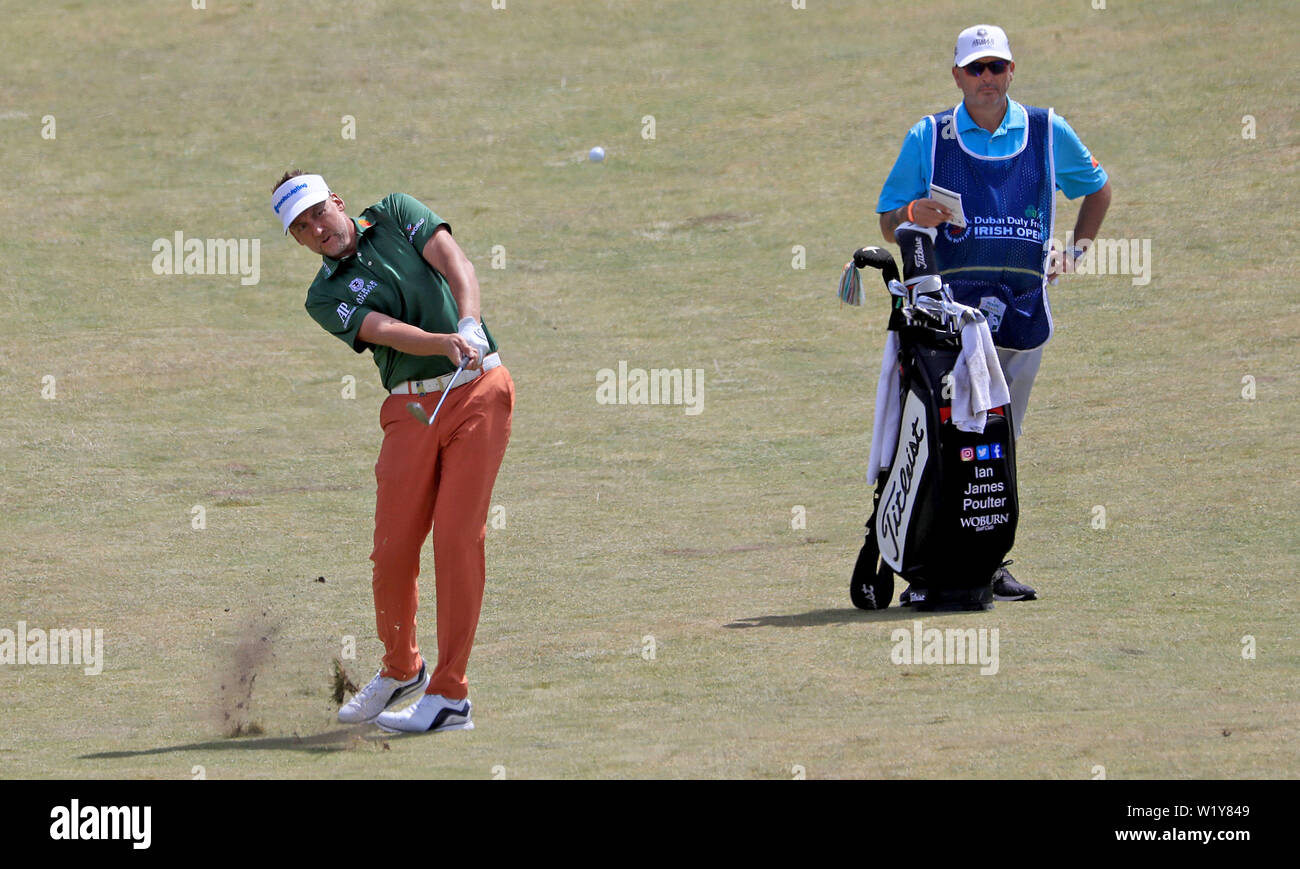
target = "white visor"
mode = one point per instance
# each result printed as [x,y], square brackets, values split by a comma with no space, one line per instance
[296,195]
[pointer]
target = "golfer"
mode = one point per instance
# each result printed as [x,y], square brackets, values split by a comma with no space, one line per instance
[394,281]
[1006,161]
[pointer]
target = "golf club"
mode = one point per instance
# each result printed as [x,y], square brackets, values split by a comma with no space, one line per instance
[878,258]
[417,409]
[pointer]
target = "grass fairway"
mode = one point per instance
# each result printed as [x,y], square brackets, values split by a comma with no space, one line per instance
[631,529]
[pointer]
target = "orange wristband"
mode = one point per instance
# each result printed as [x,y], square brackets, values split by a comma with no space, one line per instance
[909,210]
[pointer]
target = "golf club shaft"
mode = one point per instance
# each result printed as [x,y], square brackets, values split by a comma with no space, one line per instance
[446,390]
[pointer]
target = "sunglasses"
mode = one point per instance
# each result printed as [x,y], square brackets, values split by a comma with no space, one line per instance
[976,68]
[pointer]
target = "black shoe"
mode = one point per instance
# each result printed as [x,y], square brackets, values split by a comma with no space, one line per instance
[1005,586]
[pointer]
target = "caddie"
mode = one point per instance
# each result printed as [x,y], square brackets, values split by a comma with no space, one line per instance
[1006,161]
[395,282]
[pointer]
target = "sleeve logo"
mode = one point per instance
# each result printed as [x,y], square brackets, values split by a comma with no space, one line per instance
[345,313]
[412,230]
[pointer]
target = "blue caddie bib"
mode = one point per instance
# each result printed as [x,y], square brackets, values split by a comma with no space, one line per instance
[998,262]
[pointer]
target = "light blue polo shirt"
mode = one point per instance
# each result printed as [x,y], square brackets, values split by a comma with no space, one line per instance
[1077,173]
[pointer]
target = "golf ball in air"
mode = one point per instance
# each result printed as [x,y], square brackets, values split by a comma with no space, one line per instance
[597,154]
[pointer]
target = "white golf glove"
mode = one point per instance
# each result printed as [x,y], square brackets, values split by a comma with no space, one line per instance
[472,331]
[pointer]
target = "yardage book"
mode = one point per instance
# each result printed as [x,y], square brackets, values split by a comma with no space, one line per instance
[951,201]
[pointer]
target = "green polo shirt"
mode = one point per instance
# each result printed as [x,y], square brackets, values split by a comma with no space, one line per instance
[388,274]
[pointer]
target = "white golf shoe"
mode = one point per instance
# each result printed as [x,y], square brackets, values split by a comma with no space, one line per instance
[380,693]
[432,712]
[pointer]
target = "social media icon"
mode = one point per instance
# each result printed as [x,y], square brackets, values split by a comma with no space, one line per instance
[982,452]
[997,450]
[967,454]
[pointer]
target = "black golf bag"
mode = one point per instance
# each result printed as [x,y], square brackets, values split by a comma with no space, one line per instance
[944,511]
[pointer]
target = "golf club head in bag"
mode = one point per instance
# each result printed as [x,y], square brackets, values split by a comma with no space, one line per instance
[925,291]
[917,247]
[877,258]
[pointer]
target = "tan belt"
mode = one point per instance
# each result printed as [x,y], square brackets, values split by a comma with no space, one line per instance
[438,384]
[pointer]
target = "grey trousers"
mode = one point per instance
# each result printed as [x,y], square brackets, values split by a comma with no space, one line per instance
[1020,367]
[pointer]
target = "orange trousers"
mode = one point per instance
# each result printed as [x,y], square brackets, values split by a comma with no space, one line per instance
[437,476]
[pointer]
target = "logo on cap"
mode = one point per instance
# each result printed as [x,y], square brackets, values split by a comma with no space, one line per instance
[982,32]
[285,198]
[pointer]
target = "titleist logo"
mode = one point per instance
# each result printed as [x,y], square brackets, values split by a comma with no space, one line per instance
[896,503]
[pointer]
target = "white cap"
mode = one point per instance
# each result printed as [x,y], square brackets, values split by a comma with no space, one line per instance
[296,195]
[982,40]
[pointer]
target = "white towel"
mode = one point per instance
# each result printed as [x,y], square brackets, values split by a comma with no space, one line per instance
[978,384]
[884,430]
